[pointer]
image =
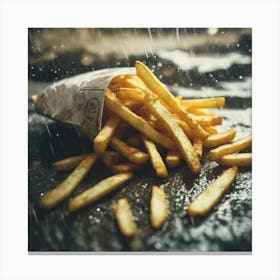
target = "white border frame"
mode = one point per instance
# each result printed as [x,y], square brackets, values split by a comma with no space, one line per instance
[17,16]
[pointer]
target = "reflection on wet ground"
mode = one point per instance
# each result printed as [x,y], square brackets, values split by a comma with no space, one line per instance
[194,63]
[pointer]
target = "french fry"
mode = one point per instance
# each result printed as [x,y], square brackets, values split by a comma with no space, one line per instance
[185,127]
[207,200]
[120,81]
[155,158]
[210,130]
[131,153]
[104,136]
[69,163]
[173,158]
[205,121]
[163,93]
[130,94]
[98,191]
[137,122]
[110,157]
[131,104]
[219,139]
[201,112]
[125,167]
[125,218]
[171,124]
[242,159]
[158,207]
[230,148]
[198,146]
[218,102]
[63,190]
[128,81]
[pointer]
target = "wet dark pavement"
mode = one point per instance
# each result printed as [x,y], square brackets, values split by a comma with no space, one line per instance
[227,228]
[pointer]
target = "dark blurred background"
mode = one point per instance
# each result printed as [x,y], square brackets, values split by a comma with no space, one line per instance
[57,53]
[194,63]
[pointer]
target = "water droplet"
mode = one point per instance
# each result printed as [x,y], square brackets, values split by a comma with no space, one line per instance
[90,217]
[212,31]
[98,209]
[238,45]
[240,77]
[41,194]
[157,246]
[159,64]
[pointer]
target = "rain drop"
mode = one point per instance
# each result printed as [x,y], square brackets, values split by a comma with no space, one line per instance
[212,31]
[157,246]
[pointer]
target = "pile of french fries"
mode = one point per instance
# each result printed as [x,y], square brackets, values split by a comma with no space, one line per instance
[144,122]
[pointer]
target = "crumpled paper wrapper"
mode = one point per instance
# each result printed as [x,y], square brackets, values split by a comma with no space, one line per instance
[78,100]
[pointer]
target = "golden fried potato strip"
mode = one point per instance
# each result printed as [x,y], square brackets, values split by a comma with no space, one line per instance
[158,207]
[125,167]
[217,102]
[110,157]
[131,153]
[163,93]
[101,141]
[219,139]
[171,124]
[98,191]
[155,158]
[231,148]
[130,94]
[63,190]
[205,121]
[198,146]
[125,218]
[206,201]
[69,163]
[211,130]
[242,159]
[137,122]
